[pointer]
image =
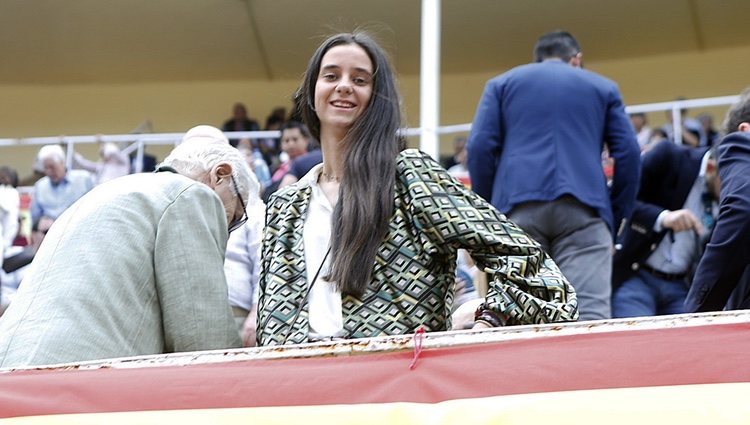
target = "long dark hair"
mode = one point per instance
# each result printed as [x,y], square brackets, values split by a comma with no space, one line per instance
[365,206]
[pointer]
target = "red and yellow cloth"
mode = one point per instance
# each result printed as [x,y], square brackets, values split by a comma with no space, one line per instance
[677,375]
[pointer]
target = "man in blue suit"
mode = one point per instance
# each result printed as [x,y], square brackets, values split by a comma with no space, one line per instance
[722,279]
[535,152]
[674,213]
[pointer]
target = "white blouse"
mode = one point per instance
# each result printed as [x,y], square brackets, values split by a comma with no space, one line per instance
[325,300]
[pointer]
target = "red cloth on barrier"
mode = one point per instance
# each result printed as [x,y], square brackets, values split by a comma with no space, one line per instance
[672,356]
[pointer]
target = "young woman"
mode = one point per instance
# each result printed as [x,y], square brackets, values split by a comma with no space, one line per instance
[365,244]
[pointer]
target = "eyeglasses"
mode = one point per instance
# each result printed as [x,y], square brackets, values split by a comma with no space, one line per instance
[236,224]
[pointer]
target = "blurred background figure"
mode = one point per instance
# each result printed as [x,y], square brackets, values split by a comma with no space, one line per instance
[271,146]
[707,124]
[9,207]
[300,166]
[657,135]
[146,165]
[642,130]
[60,187]
[459,145]
[692,132]
[112,163]
[295,142]
[239,122]
[459,170]
[276,119]
[255,160]
[18,260]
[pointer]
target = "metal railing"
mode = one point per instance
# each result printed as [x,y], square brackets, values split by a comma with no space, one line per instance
[137,142]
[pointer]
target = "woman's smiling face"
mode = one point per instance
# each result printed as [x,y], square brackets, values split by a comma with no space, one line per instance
[344,86]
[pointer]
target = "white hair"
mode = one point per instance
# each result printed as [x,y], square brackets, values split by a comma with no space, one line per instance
[55,152]
[205,133]
[108,150]
[202,148]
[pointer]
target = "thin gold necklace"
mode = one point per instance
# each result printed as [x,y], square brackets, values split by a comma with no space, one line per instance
[330,177]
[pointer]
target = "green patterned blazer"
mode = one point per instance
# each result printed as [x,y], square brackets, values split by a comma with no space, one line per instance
[412,280]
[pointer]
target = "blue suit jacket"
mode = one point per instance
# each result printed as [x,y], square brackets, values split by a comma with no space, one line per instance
[667,175]
[728,253]
[538,134]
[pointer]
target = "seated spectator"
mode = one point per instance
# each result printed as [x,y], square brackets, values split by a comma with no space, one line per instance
[276,119]
[255,161]
[642,130]
[301,166]
[9,207]
[239,122]
[22,237]
[113,163]
[135,266]
[657,135]
[459,170]
[711,134]
[674,213]
[295,140]
[271,146]
[459,145]
[18,260]
[692,132]
[146,165]
[60,187]
[8,177]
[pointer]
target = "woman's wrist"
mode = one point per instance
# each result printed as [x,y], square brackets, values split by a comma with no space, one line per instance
[488,316]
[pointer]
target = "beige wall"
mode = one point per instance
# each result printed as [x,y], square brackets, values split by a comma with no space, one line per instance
[28,111]
[642,80]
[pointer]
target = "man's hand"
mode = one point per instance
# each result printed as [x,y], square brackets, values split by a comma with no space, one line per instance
[681,220]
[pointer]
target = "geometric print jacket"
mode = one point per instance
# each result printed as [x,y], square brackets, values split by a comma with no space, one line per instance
[412,280]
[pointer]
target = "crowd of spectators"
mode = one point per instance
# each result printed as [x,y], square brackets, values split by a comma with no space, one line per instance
[276,163]
[655,209]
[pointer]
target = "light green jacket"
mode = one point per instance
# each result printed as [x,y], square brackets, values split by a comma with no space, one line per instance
[134,267]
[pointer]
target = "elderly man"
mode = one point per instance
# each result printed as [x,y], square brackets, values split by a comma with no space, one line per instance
[136,266]
[60,187]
